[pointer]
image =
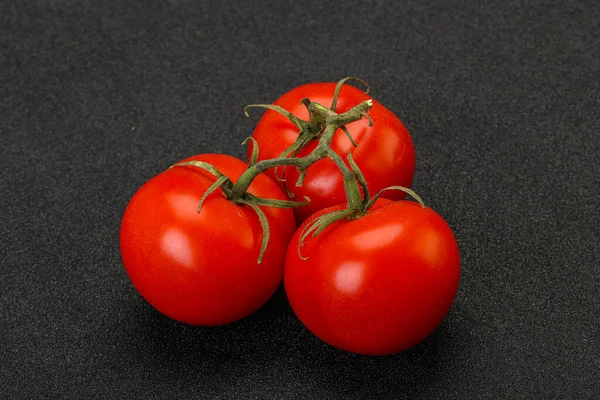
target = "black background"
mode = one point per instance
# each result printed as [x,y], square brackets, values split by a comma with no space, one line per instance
[502,101]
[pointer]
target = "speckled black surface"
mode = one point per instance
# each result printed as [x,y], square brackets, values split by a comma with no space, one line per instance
[502,100]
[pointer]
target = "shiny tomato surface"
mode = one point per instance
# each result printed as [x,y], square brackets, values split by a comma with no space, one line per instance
[385,152]
[201,268]
[378,284]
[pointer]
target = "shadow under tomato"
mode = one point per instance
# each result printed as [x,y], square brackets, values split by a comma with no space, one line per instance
[340,374]
[270,349]
[156,340]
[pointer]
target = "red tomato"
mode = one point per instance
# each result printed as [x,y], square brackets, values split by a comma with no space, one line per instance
[385,152]
[378,284]
[202,268]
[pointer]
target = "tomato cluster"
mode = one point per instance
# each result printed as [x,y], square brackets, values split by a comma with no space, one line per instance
[209,240]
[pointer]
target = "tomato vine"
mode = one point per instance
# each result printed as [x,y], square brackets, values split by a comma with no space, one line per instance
[322,125]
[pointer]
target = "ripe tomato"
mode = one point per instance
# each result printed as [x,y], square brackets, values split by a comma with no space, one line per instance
[385,152]
[201,268]
[378,284]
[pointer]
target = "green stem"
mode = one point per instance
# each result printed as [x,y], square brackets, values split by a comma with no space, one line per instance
[353,197]
[333,121]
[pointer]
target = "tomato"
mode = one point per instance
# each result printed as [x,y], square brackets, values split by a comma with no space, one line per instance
[378,284]
[385,152]
[201,268]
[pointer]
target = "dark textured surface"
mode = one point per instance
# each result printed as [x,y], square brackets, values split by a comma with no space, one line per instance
[502,100]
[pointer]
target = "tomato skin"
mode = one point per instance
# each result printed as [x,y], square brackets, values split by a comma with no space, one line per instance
[378,284]
[202,268]
[385,152]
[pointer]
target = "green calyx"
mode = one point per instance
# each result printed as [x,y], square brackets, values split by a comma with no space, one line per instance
[319,224]
[319,118]
[247,199]
[358,204]
[328,124]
